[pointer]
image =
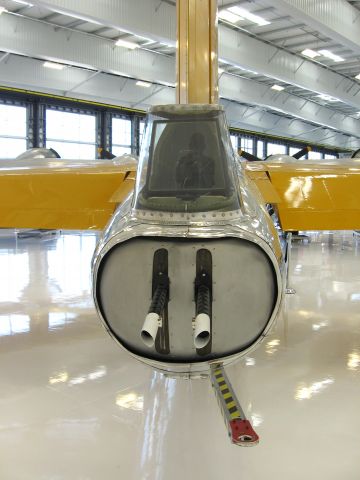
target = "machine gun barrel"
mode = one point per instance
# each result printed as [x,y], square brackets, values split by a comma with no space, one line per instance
[153,318]
[202,322]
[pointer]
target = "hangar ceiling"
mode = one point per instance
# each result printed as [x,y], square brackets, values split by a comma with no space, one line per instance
[320,100]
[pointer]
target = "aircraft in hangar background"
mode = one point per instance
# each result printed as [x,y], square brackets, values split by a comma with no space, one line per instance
[280,158]
[283,158]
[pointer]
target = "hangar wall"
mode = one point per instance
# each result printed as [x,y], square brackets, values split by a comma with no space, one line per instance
[113,128]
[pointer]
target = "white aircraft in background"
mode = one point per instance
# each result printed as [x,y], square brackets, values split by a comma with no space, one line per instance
[279,158]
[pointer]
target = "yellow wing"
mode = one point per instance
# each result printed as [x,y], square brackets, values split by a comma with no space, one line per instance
[311,196]
[55,196]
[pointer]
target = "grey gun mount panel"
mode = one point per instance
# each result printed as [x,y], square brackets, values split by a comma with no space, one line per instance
[244,295]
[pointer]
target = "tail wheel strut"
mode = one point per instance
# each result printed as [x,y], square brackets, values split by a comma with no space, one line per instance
[239,428]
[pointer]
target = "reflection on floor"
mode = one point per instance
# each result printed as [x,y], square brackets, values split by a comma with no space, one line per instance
[75,406]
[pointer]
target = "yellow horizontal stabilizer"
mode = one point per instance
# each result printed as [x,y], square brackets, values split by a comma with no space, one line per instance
[61,197]
[266,188]
[125,188]
[313,196]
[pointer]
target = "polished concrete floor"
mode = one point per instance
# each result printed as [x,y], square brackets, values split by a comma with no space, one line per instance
[73,406]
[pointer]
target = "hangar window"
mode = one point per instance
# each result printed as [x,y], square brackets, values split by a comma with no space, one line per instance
[121,136]
[293,150]
[260,149]
[12,130]
[247,144]
[275,149]
[72,135]
[13,324]
[314,155]
[234,142]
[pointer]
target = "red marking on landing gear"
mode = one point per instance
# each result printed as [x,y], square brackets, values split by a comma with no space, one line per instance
[242,433]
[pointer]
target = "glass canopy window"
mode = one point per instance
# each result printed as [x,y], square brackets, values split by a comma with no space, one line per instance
[12,131]
[121,136]
[186,162]
[72,135]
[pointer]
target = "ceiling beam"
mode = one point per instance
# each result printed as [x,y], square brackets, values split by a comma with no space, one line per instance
[279,64]
[241,89]
[75,23]
[337,19]
[82,82]
[29,74]
[4,57]
[35,39]
[40,40]
[282,29]
[157,22]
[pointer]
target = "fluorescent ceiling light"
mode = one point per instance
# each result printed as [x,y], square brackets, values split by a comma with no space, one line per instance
[169,45]
[54,66]
[332,56]
[245,69]
[249,16]
[140,83]
[310,53]
[23,3]
[328,98]
[278,88]
[125,44]
[2,10]
[251,71]
[358,77]
[228,16]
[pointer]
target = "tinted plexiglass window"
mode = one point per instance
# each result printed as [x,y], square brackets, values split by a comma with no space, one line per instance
[186,164]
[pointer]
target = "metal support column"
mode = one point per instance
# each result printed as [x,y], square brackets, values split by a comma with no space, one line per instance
[197,47]
[103,132]
[135,135]
[36,125]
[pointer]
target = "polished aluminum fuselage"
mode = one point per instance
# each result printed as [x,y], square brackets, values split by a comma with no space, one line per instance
[250,223]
